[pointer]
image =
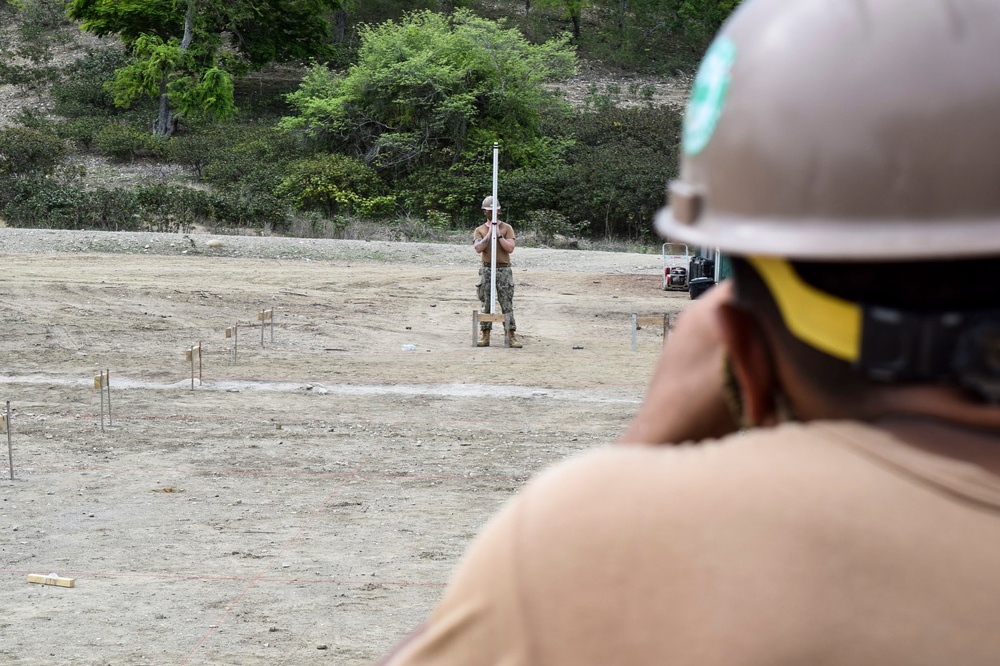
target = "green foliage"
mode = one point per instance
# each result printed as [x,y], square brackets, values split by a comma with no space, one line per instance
[26,152]
[158,66]
[45,203]
[330,183]
[246,209]
[548,224]
[618,168]
[82,132]
[81,90]
[125,143]
[178,46]
[195,151]
[251,157]
[41,25]
[433,89]
[701,18]
[570,9]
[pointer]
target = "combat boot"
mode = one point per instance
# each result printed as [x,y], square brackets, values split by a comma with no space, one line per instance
[514,342]
[484,338]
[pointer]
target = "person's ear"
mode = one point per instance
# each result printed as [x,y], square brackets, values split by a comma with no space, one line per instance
[751,366]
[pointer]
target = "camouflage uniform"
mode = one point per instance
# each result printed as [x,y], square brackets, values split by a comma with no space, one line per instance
[505,293]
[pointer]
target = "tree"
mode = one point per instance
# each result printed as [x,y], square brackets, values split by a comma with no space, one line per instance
[572,9]
[186,52]
[435,89]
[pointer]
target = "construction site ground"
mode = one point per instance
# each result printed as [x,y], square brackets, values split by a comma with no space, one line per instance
[305,501]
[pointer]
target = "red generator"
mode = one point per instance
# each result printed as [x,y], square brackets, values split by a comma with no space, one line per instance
[676,270]
[675,278]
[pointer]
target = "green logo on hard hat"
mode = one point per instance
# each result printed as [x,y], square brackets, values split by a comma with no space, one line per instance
[708,95]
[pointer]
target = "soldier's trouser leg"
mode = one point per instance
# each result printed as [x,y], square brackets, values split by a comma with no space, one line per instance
[505,294]
[483,291]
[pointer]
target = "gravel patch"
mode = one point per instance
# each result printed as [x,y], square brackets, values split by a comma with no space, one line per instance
[50,241]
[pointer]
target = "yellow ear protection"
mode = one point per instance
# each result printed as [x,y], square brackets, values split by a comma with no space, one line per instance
[888,344]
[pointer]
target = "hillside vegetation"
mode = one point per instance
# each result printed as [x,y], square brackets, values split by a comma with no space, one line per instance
[376,119]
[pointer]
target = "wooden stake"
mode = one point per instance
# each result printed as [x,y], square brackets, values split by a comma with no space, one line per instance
[638,322]
[52,579]
[264,317]
[99,385]
[107,385]
[189,356]
[10,449]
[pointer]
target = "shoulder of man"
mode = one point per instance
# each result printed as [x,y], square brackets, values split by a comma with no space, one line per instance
[575,547]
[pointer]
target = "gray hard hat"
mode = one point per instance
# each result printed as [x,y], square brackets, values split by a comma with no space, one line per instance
[824,130]
[488,203]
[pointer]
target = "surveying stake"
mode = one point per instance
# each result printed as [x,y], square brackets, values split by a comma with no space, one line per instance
[478,317]
[638,322]
[189,356]
[233,332]
[5,424]
[102,382]
[264,317]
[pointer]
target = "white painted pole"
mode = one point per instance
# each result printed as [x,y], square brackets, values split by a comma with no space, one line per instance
[493,241]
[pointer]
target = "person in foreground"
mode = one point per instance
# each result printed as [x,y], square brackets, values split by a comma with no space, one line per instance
[833,492]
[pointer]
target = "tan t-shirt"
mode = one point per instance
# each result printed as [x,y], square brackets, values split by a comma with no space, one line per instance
[503,231]
[825,543]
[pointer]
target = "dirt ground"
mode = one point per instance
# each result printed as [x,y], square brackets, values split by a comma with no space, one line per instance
[305,503]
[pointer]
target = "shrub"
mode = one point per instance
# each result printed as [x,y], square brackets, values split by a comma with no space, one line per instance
[332,184]
[125,143]
[455,191]
[619,167]
[194,151]
[251,210]
[25,151]
[378,206]
[247,157]
[434,89]
[82,90]
[81,131]
[170,207]
[41,24]
[43,203]
[547,224]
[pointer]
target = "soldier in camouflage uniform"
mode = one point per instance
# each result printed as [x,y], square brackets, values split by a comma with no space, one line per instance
[505,278]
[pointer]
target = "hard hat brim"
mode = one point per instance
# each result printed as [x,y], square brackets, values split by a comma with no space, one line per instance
[823,239]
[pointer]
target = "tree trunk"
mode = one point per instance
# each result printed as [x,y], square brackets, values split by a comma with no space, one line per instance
[166,121]
[575,16]
[188,26]
[527,7]
[339,26]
